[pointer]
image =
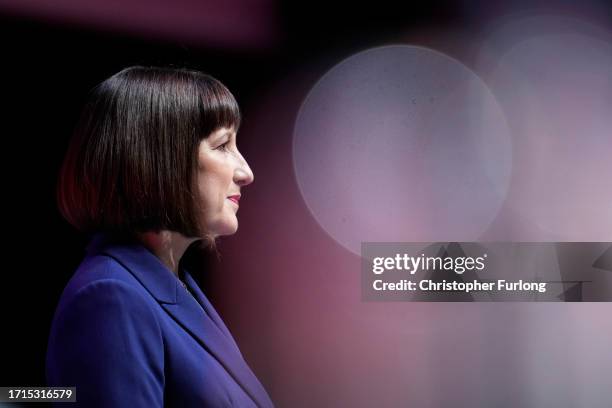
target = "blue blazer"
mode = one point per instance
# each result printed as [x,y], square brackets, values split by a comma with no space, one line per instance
[127,333]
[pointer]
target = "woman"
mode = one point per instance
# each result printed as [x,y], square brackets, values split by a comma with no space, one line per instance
[152,167]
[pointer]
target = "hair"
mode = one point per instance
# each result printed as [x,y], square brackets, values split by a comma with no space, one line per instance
[131,163]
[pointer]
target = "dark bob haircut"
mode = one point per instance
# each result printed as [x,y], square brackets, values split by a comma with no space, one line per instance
[131,163]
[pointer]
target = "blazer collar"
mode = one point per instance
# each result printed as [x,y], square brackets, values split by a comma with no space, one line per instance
[146,267]
[193,312]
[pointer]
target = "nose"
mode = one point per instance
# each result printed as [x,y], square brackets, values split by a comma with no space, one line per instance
[243,175]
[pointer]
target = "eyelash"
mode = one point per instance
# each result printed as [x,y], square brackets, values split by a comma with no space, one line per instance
[223,146]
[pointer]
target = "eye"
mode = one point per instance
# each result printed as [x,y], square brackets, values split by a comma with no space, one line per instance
[223,147]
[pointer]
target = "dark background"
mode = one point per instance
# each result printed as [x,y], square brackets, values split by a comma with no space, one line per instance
[48,67]
[47,71]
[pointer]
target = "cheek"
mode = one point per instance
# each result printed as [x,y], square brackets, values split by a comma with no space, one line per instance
[210,196]
[218,215]
[214,186]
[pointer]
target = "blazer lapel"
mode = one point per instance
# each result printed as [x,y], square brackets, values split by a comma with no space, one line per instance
[197,317]
[194,317]
[208,307]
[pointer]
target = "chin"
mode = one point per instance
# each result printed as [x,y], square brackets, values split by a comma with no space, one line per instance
[224,227]
[231,230]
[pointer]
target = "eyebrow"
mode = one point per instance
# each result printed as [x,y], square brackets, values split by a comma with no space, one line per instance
[229,134]
[222,136]
[219,136]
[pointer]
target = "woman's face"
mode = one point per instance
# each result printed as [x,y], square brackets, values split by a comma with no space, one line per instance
[222,172]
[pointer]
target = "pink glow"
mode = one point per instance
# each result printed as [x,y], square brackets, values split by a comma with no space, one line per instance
[552,78]
[221,23]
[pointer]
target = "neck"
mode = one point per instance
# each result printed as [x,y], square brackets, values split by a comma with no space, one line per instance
[168,246]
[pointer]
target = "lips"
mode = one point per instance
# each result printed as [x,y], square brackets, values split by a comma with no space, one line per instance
[234,198]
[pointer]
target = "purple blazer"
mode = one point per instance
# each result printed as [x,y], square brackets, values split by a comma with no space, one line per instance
[127,333]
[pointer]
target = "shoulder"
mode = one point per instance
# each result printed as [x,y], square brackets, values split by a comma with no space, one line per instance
[101,279]
[106,334]
[100,267]
[105,302]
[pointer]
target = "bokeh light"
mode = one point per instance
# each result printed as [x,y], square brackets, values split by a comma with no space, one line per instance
[402,143]
[552,77]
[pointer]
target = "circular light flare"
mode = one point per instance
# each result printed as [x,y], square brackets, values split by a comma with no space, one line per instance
[553,81]
[401,143]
